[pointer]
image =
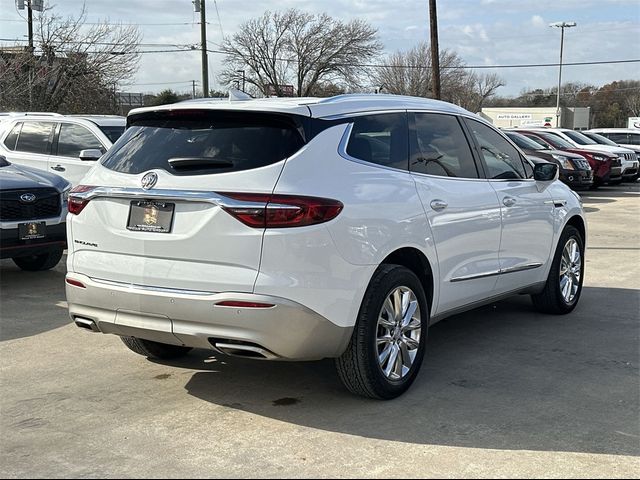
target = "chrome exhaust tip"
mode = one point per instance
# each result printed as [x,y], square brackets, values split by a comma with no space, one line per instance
[238,348]
[86,323]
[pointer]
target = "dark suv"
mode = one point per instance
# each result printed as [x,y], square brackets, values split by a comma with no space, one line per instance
[575,170]
[33,210]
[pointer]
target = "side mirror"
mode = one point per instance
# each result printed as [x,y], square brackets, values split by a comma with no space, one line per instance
[90,154]
[546,172]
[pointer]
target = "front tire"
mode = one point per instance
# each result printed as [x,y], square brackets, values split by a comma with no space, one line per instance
[34,263]
[155,350]
[564,283]
[389,340]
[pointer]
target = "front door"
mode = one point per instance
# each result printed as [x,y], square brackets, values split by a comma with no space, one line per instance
[462,209]
[527,211]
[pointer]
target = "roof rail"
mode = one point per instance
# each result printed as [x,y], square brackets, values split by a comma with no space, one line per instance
[39,114]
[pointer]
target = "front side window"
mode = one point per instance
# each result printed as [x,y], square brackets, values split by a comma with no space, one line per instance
[617,137]
[501,158]
[35,137]
[439,147]
[75,138]
[380,139]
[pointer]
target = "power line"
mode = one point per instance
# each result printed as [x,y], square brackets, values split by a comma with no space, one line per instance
[114,24]
[215,3]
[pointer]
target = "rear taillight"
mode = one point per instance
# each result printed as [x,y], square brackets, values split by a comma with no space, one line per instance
[261,210]
[76,203]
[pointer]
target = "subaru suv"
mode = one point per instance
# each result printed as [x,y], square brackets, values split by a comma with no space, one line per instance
[301,229]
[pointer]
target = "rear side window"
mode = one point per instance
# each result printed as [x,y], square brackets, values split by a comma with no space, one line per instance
[439,147]
[380,139]
[617,137]
[501,158]
[75,138]
[113,133]
[12,138]
[197,142]
[35,137]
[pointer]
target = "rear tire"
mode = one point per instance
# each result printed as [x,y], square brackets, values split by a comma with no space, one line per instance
[559,295]
[388,343]
[155,350]
[34,263]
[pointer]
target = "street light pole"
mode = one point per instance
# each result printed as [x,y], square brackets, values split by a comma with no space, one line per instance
[562,26]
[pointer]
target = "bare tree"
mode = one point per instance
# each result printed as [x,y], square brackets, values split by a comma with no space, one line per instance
[74,68]
[299,49]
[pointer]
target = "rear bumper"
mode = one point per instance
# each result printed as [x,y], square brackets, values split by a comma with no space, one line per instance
[286,331]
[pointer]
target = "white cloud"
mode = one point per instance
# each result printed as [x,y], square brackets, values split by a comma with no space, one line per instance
[537,21]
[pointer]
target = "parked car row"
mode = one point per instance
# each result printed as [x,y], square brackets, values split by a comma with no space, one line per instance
[602,161]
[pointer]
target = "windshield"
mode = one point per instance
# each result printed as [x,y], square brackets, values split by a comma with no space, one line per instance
[113,132]
[600,139]
[579,138]
[524,142]
[555,140]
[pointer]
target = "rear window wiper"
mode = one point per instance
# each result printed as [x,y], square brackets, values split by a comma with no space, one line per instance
[199,162]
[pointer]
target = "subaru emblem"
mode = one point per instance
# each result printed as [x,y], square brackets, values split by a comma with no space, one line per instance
[27,198]
[149,180]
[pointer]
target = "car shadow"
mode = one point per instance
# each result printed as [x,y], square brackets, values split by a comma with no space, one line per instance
[42,315]
[499,377]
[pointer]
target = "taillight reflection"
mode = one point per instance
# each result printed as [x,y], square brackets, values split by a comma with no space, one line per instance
[76,204]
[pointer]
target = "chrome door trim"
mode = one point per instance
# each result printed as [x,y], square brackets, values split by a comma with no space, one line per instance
[502,271]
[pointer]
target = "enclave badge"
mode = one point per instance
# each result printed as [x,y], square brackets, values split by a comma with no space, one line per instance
[149,180]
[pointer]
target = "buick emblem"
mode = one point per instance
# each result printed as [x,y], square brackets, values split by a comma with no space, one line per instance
[149,180]
[27,198]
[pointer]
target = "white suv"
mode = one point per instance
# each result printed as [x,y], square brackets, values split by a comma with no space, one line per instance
[66,145]
[300,229]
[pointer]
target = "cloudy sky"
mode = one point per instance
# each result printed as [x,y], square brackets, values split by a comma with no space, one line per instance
[483,32]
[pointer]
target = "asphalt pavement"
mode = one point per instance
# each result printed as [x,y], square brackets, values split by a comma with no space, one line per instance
[504,391]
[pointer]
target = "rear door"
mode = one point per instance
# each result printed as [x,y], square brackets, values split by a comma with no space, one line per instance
[174,233]
[70,140]
[29,143]
[461,206]
[527,210]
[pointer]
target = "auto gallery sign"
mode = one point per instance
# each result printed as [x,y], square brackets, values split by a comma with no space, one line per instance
[514,116]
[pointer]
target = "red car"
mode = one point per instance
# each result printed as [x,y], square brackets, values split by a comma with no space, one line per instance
[607,168]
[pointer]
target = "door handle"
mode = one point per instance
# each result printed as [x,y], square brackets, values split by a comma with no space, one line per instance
[438,205]
[509,201]
[58,168]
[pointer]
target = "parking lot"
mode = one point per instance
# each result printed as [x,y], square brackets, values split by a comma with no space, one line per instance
[504,391]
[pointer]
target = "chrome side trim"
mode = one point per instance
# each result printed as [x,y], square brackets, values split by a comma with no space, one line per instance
[475,276]
[147,288]
[502,271]
[521,268]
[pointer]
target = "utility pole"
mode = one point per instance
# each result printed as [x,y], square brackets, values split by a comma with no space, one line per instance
[435,53]
[243,79]
[203,39]
[562,26]
[38,6]
[193,85]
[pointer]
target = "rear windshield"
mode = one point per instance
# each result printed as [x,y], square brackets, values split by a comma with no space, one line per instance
[113,132]
[579,138]
[524,142]
[199,142]
[555,140]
